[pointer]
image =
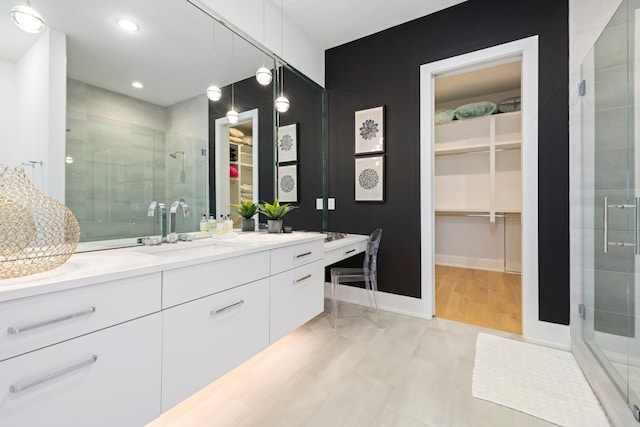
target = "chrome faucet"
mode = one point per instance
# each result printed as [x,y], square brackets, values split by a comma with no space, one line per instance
[172,218]
[163,217]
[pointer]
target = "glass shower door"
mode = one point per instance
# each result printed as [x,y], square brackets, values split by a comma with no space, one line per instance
[610,202]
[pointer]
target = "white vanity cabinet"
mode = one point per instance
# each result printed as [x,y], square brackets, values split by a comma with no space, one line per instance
[216,316]
[106,378]
[205,338]
[297,287]
[27,324]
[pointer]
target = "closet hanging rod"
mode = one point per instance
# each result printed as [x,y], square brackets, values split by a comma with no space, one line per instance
[478,214]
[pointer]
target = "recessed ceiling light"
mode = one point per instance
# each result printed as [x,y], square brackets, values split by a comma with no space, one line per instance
[137,85]
[128,25]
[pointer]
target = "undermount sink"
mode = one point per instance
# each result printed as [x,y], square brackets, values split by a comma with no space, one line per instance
[201,247]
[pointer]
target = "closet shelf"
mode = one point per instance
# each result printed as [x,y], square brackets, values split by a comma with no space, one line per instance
[476,213]
[475,120]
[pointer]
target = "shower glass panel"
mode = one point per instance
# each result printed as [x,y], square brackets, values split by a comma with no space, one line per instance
[610,201]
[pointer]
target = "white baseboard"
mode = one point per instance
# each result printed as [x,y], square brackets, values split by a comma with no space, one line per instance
[390,302]
[468,262]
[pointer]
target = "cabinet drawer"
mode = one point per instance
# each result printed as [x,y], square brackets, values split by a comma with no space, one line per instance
[205,338]
[31,323]
[289,257]
[338,254]
[189,283]
[297,296]
[120,387]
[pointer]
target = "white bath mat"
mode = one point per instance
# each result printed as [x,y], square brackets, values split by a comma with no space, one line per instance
[540,381]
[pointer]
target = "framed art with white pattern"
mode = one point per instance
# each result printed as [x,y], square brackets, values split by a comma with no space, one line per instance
[288,143]
[370,131]
[369,179]
[288,183]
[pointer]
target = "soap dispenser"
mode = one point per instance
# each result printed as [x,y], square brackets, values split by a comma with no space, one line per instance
[204,224]
[212,223]
[229,223]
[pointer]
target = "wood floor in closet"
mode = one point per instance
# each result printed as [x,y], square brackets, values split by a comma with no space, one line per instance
[484,298]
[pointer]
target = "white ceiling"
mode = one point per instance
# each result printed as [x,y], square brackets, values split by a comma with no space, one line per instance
[170,46]
[331,23]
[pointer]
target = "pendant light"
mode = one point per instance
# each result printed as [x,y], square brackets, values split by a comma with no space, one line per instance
[213,92]
[282,103]
[28,19]
[263,75]
[232,115]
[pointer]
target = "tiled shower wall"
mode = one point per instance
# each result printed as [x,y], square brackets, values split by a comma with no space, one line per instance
[120,148]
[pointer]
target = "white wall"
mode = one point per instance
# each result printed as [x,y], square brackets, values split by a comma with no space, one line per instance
[7,110]
[36,103]
[298,49]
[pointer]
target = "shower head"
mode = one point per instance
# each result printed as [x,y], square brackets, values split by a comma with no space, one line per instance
[175,155]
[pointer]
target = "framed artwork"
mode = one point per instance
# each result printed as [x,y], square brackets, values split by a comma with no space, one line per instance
[370,131]
[288,183]
[369,179]
[288,143]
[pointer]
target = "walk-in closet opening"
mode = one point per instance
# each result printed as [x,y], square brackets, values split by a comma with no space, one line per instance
[478,195]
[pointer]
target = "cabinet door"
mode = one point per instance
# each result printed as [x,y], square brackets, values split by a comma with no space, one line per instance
[106,378]
[205,338]
[297,296]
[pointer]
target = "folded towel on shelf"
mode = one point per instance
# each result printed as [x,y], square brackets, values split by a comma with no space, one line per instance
[236,132]
[246,187]
[235,139]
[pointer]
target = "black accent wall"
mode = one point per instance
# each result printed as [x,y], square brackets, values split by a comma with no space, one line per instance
[383,69]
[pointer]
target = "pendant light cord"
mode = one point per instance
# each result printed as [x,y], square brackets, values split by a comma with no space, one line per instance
[233,107]
[282,47]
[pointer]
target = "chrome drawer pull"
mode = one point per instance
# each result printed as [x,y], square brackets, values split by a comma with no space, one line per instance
[229,307]
[351,251]
[17,388]
[302,279]
[18,329]
[303,255]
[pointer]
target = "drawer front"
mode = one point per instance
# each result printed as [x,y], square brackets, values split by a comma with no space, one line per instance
[189,283]
[205,338]
[297,296]
[120,387]
[289,257]
[331,257]
[31,323]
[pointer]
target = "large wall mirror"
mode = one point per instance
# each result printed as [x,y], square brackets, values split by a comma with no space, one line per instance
[70,115]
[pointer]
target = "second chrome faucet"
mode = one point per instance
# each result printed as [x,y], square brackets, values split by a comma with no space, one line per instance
[168,222]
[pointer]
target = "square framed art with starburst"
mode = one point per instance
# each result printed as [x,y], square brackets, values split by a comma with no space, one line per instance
[288,143]
[370,131]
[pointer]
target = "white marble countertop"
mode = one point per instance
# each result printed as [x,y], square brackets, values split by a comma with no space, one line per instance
[89,268]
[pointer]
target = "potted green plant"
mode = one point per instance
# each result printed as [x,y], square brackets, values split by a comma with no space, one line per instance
[247,209]
[274,213]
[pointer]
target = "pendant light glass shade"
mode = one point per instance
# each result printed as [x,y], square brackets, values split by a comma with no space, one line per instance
[233,116]
[282,104]
[264,76]
[214,93]
[27,19]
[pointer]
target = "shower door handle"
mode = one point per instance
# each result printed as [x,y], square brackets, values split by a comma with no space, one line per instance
[605,225]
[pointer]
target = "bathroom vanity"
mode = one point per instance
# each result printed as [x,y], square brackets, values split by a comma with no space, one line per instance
[117,337]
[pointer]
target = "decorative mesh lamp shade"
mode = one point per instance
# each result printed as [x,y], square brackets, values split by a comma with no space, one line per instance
[37,233]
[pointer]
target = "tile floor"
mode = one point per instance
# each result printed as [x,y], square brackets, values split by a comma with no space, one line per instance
[413,372]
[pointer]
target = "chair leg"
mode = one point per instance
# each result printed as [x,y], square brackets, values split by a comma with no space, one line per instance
[374,291]
[334,303]
[367,286]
